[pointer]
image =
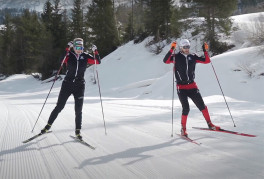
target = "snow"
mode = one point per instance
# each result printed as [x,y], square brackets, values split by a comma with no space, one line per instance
[136,91]
[247,18]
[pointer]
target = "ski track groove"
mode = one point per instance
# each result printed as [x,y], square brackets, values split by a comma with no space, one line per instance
[37,170]
[71,154]
[137,169]
[55,157]
[226,154]
[54,152]
[37,167]
[120,161]
[3,169]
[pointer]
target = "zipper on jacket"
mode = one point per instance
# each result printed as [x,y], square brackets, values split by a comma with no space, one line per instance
[187,68]
[179,75]
[77,58]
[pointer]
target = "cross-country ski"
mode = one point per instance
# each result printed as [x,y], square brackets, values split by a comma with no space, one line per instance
[83,142]
[189,139]
[34,137]
[226,131]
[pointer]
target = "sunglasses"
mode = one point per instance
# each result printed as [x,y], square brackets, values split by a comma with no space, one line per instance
[78,48]
[186,47]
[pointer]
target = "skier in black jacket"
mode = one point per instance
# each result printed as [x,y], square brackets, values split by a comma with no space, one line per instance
[76,61]
[184,66]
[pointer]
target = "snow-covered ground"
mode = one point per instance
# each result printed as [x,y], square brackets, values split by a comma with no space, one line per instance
[137,89]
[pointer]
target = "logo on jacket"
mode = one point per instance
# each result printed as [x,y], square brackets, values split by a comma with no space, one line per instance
[189,58]
[81,58]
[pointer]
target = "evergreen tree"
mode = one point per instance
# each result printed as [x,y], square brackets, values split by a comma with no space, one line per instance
[176,25]
[129,31]
[249,2]
[77,20]
[139,26]
[8,64]
[216,14]
[158,14]
[57,32]
[29,44]
[60,27]
[101,21]
[47,15]
[29,38]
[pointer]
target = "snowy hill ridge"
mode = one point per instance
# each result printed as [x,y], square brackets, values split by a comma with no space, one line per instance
[145,75]
[137,97]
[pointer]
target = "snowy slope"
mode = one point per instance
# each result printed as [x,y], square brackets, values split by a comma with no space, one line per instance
[136,89]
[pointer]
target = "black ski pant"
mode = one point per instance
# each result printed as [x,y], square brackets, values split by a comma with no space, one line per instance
[196,97]
[68,88]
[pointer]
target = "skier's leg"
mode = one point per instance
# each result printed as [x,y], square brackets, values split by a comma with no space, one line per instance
[196,97]
[78,98]
[183,97]
[65,92]
[183,123]
[182,94]
[63,96]
[208,120]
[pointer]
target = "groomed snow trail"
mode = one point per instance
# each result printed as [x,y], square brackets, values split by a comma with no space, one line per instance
[137,145]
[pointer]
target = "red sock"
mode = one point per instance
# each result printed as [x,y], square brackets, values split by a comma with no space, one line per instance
[184,121]
[206,115]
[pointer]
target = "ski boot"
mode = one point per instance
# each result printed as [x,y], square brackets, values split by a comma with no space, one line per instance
[45,129]
[183,132]
[212,126]
[78,134]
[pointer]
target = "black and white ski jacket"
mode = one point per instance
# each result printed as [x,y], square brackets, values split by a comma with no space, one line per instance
[184,65]
[77,64]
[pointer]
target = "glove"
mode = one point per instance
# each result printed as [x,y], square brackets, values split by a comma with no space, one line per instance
[70,44]
[205,47]
[173,45]
[94,48]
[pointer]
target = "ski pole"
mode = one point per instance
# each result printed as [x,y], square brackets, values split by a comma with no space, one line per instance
[223,94]
[172,105]
[50,89]
[94,74]
[98,83]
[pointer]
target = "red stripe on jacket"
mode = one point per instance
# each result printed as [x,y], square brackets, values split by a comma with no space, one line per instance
[188,86]
[207,59]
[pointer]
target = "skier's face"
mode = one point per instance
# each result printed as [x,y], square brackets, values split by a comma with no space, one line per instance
[186,49]
[78,49]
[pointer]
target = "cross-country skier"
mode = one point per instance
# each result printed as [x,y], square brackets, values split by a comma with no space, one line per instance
[74,83]
[184,67]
